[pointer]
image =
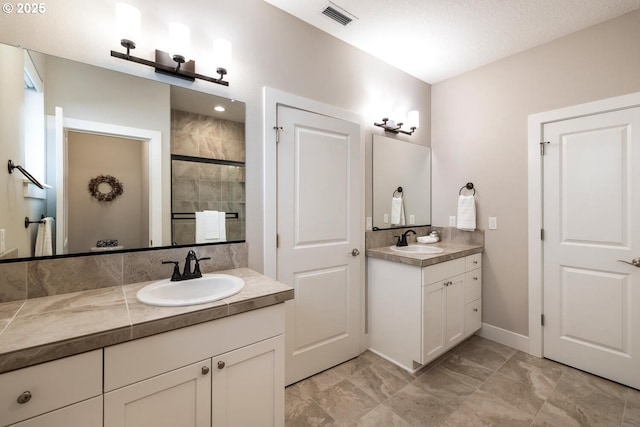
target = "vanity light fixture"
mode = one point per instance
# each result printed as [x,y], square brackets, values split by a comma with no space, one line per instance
[391,126]
[175,63]
[219,108]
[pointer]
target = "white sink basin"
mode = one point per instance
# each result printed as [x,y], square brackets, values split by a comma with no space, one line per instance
[209,287]
[417,249]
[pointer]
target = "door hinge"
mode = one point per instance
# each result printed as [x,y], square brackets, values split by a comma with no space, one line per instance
[542,147]
[542,319]
[278,129]
[542,234]
[277,241]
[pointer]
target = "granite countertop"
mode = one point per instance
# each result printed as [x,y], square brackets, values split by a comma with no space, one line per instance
[38,330]
[451,251]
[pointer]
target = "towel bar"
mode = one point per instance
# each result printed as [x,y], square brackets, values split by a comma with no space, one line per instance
[27,222]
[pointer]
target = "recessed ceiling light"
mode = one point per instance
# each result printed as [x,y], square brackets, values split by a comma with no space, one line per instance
[220,108]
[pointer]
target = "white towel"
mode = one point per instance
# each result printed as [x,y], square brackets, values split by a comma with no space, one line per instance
[211,225]
[397,211]
[201,220]
[44,243]
[466,213]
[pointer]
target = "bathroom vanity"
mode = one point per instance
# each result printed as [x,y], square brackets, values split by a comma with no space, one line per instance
[420,306]
[198,365]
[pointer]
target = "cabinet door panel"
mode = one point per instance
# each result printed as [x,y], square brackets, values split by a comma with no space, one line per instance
[248,386]
[455,310]
[178,398]
[434,340]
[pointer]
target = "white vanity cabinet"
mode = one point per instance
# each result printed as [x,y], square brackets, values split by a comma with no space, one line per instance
[418,313]
[225,372]
[221,373]
[64,392]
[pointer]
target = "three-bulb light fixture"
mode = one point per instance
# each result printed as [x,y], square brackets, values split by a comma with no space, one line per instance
[176,62]
[413,122]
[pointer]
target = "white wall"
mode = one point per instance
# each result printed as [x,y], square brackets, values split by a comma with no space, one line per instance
[270,48]
[480,134]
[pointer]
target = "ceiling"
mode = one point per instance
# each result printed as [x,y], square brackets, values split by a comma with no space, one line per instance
[434,40]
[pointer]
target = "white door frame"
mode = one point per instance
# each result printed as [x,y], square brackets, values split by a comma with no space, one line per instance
[154,139]
[271,99]
[536,123]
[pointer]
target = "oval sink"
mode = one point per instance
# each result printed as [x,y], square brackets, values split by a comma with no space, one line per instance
[209,287]
[417,249]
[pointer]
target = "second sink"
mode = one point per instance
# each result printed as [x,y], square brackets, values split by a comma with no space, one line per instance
[417,249]
[208,288]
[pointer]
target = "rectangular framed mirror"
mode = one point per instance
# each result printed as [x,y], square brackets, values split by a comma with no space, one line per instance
[103,142]
[400,164]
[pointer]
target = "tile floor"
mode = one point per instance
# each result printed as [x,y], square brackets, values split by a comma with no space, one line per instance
[479,383]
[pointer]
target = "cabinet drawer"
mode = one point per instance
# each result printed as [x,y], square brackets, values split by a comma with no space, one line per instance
[473,261]
[438,272]
[472,285]
[83,414]
[52,385]
[472,317]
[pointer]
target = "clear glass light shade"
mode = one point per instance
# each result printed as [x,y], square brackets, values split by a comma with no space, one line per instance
[222,53]
[127,22]
[413,119]
[179,40]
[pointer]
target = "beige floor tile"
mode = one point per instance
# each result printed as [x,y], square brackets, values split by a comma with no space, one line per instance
[484,409]
[631,415]
[444,385]
[345,402]
[541,374]
[515,393]
[466,370]
[418,407]
[378,381]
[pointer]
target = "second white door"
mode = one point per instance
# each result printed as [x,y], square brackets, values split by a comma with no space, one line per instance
[319,229]
[591,211]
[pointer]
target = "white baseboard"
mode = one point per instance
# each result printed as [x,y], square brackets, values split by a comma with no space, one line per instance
[502,336]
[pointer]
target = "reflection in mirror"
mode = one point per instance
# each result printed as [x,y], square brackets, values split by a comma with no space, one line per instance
[70,124]
[400,164]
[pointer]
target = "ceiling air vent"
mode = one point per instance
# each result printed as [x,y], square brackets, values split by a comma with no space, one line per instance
[338,14]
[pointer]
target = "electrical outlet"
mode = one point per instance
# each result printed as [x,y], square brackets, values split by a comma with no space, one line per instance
[3,247]
[452,221]
[385,219]
[369,223]
[493,223]
[412,219]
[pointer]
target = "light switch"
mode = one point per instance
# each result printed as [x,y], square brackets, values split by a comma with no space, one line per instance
[386,218]
[412,219]
[452,221]
[493,223]
[369,223]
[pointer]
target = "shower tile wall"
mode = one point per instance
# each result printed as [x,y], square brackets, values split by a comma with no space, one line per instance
[206,186]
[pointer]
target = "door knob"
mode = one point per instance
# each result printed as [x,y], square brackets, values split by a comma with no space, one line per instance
[635,262]
[355,252]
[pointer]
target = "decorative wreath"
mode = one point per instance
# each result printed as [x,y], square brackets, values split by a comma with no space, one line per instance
[116,188]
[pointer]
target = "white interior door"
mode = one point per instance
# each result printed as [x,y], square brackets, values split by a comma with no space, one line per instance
[591,209]
[319,229]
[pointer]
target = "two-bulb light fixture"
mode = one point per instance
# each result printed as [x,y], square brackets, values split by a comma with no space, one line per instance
[176,62]
[413,122]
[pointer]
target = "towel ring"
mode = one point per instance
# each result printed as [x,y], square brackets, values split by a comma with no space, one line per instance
[468,186]
[399,190]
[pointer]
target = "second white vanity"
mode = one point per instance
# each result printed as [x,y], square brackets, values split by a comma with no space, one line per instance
[420,306]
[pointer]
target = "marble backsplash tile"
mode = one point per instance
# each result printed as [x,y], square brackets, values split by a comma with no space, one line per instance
[31,279]
[380,238]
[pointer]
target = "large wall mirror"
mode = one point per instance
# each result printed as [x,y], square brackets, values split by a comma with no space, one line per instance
[400,165]
[127,162]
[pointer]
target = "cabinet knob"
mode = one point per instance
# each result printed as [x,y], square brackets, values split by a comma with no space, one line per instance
[475,262]
[205,370]
[24,397]
[221,365]
[475,278]
[475,309]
